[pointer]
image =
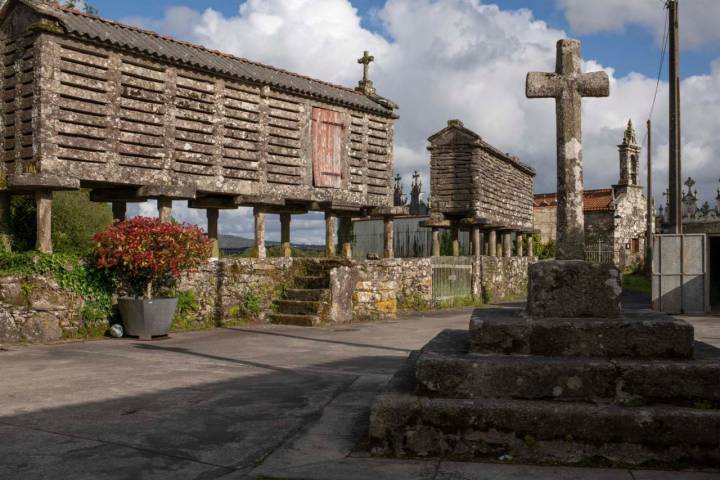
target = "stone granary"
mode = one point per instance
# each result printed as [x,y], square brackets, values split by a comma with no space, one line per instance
[615,222]
[132,115]
[572,379]
[475,186]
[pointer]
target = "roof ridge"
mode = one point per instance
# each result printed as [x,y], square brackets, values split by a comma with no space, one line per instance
[196,46]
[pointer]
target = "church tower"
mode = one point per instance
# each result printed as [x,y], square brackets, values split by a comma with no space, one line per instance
[629,158]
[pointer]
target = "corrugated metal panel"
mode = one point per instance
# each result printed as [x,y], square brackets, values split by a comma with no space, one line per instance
[153,44]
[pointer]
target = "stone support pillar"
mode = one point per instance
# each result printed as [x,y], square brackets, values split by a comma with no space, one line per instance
[164,206]
[492,243]
[507,244]
[435,242]
[260,232]
[5,243]
[346,233]
[119,211]
[285,234]
[330,234]
[530,249]
[213,214]
[43,215]
[455,239]
[519,244]
[389,240]
[476,245]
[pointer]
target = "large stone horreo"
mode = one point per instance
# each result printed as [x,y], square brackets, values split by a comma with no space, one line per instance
[134,115]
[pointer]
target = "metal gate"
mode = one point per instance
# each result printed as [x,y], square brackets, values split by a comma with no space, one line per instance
[679,280]
[451,279]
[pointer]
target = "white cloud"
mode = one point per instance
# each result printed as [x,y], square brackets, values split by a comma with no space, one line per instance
[446,59]
[698,18]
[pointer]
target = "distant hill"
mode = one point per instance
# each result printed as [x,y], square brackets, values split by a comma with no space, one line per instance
[235,243]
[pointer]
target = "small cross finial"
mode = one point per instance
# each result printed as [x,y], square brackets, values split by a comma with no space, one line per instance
[365,85]
[689,183]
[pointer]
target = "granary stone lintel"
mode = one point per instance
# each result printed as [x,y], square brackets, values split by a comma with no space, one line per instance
[480,221]
[389,211]
[45,181]
[121,194]
[179,192]
[251,200]
[213,202]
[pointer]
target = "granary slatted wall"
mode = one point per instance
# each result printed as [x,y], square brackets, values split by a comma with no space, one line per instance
[113,117]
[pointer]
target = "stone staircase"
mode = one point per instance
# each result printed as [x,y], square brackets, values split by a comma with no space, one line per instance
[307,302]
[637,390]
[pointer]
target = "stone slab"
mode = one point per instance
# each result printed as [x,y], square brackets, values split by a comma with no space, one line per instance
[403,424]
[446,369]
[573,288]
[642,335]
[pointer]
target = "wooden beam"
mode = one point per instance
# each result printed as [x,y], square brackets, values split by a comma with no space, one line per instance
[106,195]
[213,202]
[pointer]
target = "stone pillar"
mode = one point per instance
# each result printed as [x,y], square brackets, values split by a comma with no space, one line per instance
[213,214]
[389,241]
[435,242]
[164,206]
[530,246]
[43,215]
[119,211]
[260,232]
[285,234]
[507,244]
[477,246]
[455,239]
[519,244]
[5,243]
[330,234]
[492,243]
[346,233]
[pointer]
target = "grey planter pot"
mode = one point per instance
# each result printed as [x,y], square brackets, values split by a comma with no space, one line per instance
[147,318]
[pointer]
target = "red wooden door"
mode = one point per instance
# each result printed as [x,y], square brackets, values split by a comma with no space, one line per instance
[327,138]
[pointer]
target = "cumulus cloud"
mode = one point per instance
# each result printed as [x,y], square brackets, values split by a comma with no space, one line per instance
[698,18]
[444,59]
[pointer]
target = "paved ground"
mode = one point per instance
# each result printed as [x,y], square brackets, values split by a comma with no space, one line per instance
[275,402]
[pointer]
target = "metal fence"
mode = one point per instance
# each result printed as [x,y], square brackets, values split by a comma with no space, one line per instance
[451,279]
[410,239]
[600,252]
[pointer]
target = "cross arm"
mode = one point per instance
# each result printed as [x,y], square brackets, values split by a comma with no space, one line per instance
[543,85]
[594,84]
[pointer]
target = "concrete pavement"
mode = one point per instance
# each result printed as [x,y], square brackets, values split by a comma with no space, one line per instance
[232,403]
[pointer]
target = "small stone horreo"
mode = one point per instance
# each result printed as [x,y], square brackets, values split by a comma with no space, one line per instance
[567,85]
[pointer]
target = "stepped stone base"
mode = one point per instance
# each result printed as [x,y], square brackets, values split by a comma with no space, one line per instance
[636,390]
[403,424]
[573,288]
[646,335]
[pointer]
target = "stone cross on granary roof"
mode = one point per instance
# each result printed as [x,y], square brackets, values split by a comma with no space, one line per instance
[567,85]
[366,85]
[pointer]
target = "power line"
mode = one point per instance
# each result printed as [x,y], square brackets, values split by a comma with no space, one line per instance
[666,33]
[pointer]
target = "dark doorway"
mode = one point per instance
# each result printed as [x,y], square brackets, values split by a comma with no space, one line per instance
[714,271]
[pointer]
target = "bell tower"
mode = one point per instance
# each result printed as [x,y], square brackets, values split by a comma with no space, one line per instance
[629,158]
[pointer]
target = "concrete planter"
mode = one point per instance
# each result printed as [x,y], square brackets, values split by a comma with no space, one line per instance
[147,318]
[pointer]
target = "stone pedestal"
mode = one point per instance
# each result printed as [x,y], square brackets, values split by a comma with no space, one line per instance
[573,288]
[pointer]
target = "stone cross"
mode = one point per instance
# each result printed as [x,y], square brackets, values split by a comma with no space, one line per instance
[567,85]
[365,61]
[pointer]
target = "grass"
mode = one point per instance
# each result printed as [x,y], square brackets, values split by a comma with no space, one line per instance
[636,283]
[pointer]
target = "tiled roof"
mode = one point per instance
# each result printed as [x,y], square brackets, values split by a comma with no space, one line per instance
[125,37]
[593,200]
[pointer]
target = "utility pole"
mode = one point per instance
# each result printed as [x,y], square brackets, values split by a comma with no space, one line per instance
[650,213]
[675,167]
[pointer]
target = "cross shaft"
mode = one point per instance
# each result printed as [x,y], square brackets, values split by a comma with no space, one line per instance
[567,85]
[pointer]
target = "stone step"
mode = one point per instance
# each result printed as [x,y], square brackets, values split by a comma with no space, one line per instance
[312,282]
[294,319]
[315,294]
[509,330]
[299,307]
[403,424]
[444,368]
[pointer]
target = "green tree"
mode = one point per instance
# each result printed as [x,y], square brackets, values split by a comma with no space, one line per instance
[75,219]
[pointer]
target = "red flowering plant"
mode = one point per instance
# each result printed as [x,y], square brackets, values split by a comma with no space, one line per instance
[145,255]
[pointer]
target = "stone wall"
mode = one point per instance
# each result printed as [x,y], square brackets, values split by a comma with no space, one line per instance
[35,309]
[630,226]
[502,278]
[387,286]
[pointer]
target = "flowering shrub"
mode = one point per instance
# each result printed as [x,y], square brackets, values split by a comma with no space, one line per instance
[145,255]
